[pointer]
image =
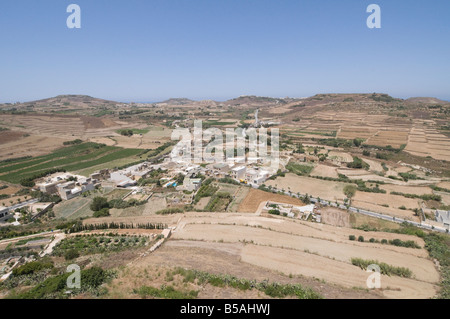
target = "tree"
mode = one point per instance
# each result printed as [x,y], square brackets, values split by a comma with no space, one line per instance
[349,191]
[98,203]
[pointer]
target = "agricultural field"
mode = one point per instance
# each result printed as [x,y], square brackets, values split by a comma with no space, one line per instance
[71,158]
[368,151]
[249,237]
[328,190]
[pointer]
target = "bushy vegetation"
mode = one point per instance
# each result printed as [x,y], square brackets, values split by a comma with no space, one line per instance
[275,290]
[74,142]
[54,287]
[206,190]
[299,169]
[408,176]
[274,212]
[32,267]
[82,245]
[104,212]
[122,204]
[438,247]
[394,242]
[336,142]
[77,227]
[126,132]
[408,229]
[228,180]
[349,190]
[101,205]
[29,181]
[219,202]
[439,189]
[169,211]
[358,163]
[384,268]
[437,198]
[401,243]
[165,292]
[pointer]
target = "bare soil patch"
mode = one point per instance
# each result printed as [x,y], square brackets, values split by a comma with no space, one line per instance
[306,185]
[255,196]
[335,217]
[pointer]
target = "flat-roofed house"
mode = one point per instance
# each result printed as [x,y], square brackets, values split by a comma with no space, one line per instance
[238,172]
[4,213]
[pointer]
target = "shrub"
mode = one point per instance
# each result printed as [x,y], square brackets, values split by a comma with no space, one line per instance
[104,212]
[32,267]
[71,254]
[93,277]
[169,211]
[352,237]
[361,238]
[74,142]
[98,203]
[274,212]
[349,191]
[384,268]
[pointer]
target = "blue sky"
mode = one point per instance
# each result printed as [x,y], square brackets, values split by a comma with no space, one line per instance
[150,50]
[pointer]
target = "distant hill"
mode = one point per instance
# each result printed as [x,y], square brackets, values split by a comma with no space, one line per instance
[65,104]
[252,100]
[426,100]
[178,101]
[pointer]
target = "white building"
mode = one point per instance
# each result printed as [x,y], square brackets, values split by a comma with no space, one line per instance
[256,176]
[73,189]
[4,214]
[443,217]
[190,184]
[238,172]
[122,180]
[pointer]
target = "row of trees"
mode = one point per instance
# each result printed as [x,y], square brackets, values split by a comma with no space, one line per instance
[79,227]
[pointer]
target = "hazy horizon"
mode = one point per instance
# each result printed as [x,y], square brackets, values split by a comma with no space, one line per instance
[148,101]
[154,50]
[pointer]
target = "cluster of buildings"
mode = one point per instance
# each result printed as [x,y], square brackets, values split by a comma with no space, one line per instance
[67,185]
[306,212]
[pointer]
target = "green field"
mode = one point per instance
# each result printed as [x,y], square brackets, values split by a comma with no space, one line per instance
[80,207]
[218,123]
[72,158]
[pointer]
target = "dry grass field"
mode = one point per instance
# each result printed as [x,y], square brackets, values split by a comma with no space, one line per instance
[277,249]
[318,188]
[425,141]
[290,247]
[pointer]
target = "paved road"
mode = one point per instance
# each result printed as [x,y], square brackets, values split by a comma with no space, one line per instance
[369,213]
[20,205]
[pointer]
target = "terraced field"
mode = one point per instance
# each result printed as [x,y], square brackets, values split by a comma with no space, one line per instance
[70,158]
